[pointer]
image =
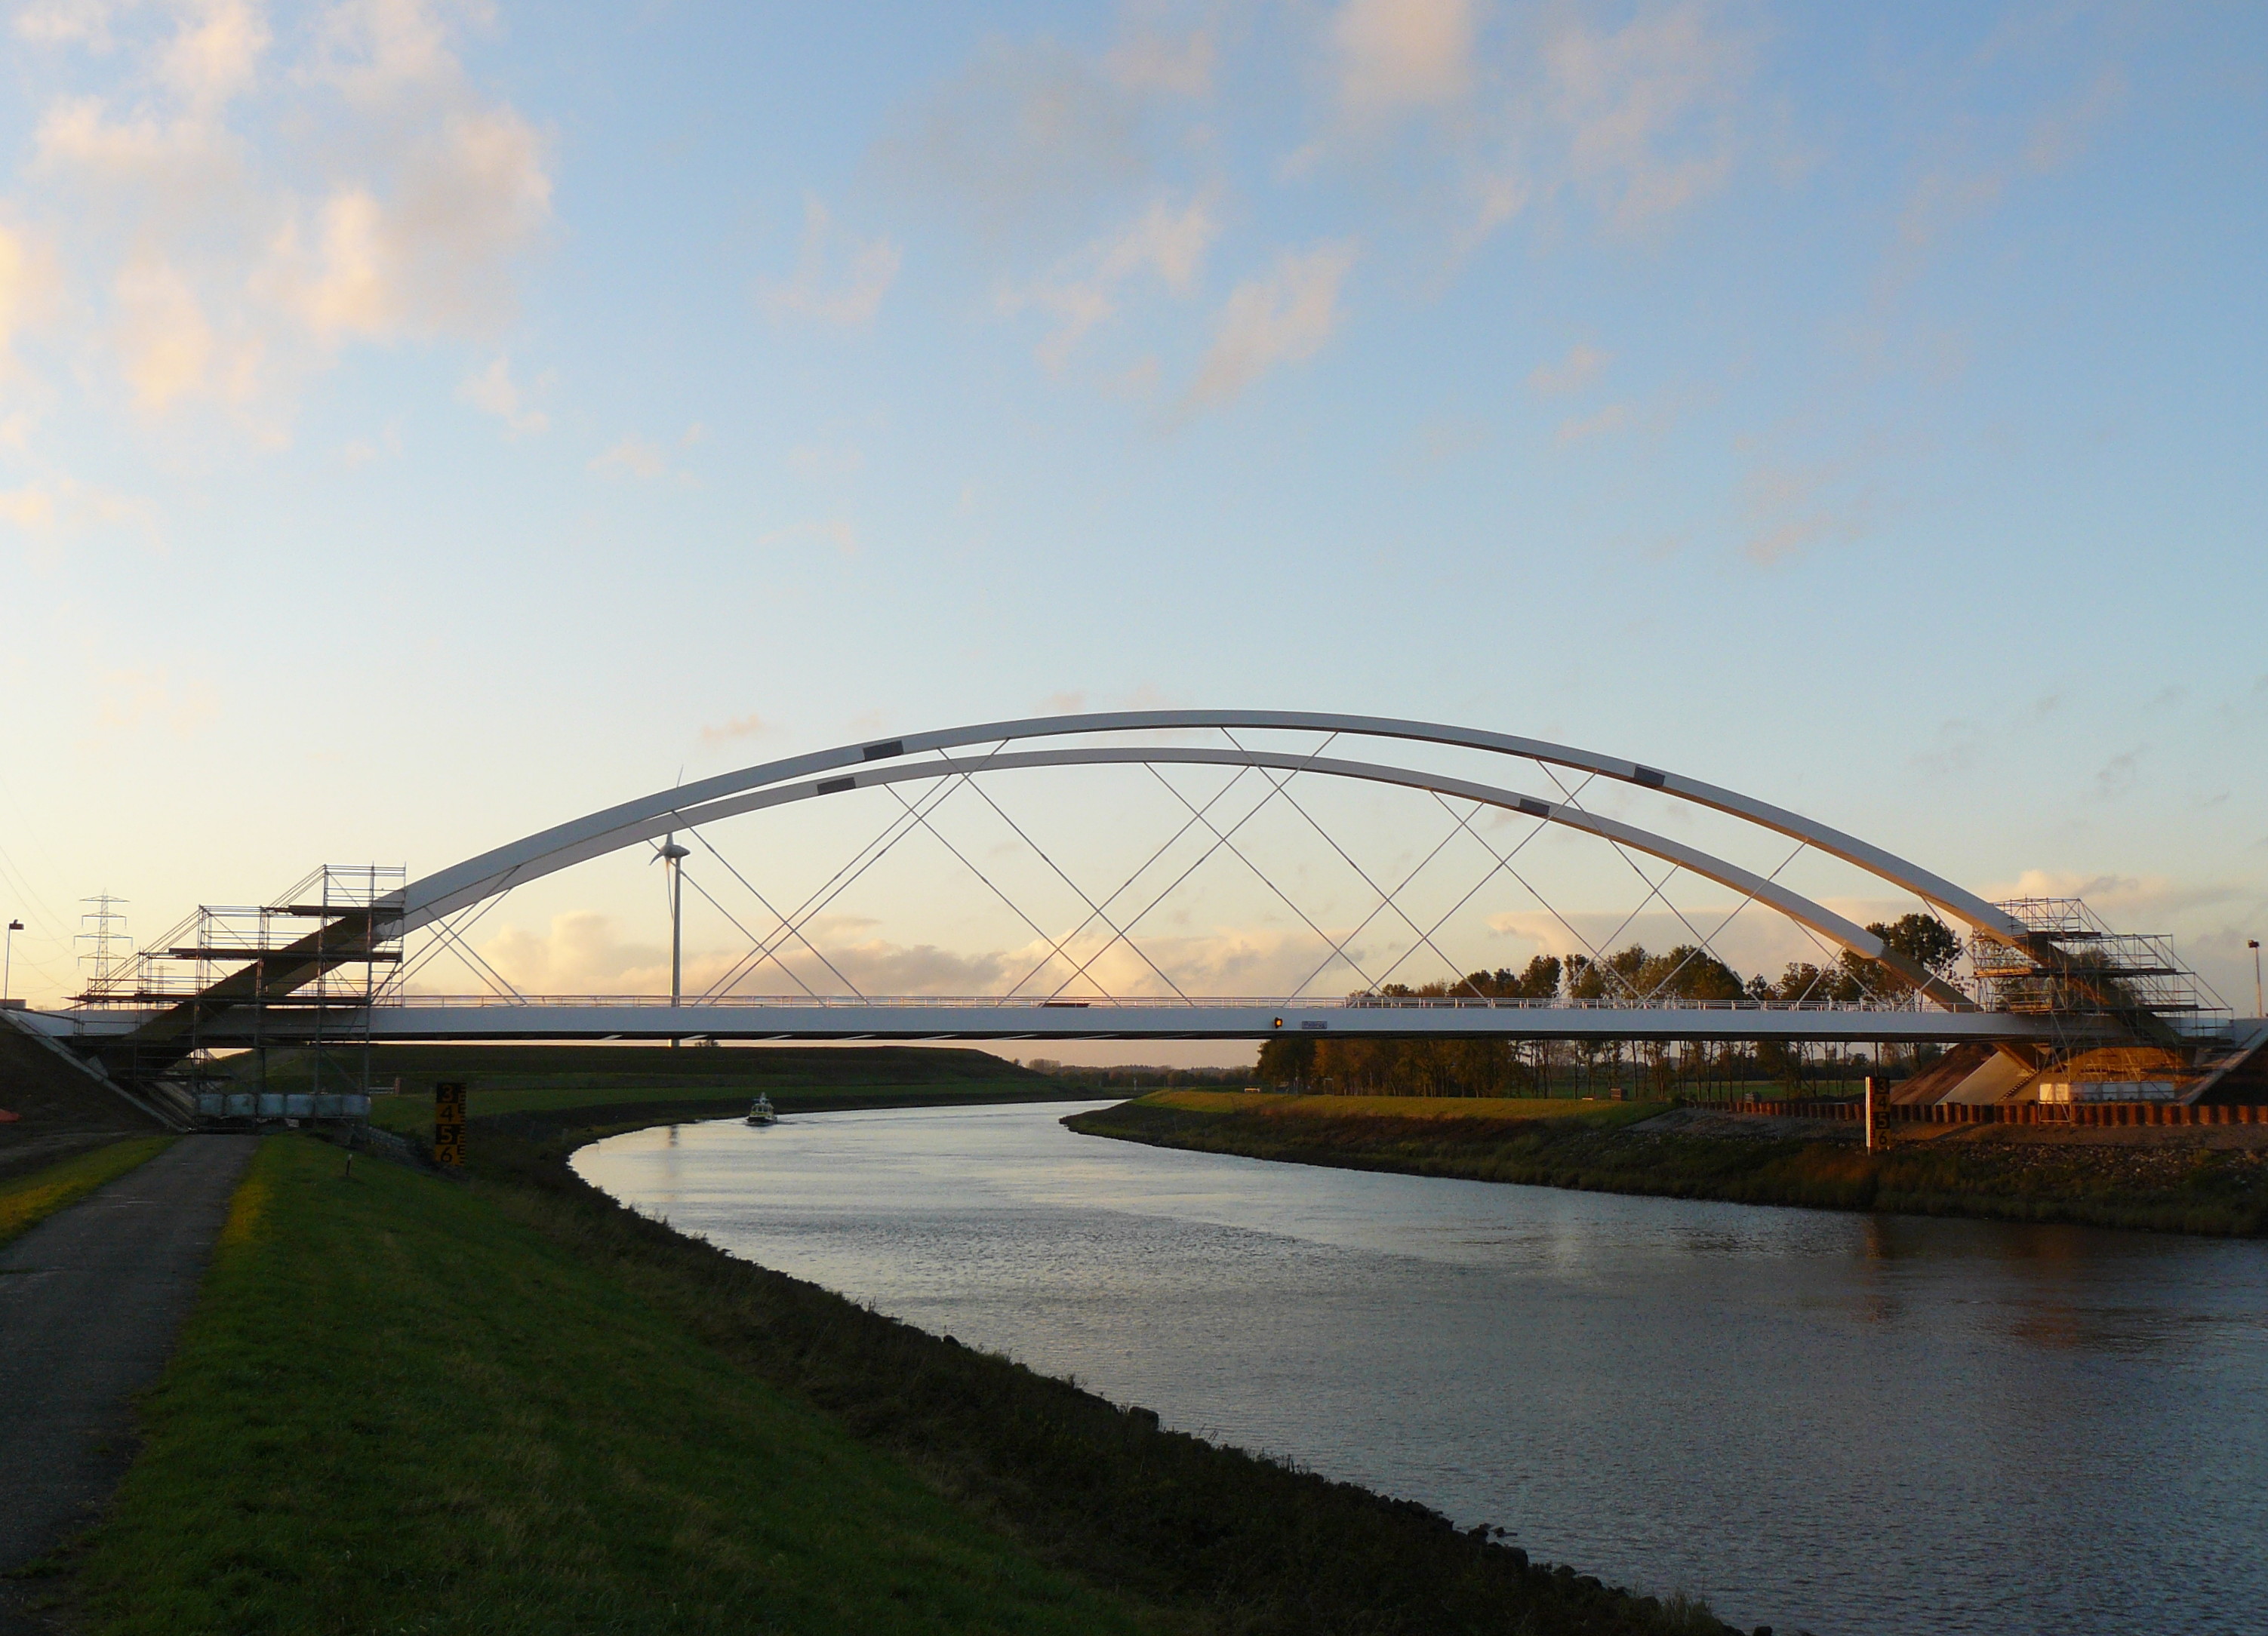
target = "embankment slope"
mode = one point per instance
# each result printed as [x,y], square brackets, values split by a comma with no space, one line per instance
[2212,1180]
[59,1110]
[505,1403]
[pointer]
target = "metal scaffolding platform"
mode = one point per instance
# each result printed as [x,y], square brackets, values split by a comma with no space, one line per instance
[316,953]
[2076,973]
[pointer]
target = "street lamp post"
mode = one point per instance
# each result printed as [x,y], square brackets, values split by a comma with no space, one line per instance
[8,960]
[2258,1010]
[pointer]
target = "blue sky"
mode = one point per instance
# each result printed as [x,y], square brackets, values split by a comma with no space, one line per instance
[420,423]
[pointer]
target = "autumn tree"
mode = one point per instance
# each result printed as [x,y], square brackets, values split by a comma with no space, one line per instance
[1286,1059]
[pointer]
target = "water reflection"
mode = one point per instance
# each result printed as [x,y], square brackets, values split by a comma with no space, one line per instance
[1841,1423]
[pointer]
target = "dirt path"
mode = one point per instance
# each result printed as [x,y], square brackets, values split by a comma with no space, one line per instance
[90,1302]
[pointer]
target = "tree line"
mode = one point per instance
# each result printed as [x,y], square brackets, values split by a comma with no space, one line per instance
[1634,975]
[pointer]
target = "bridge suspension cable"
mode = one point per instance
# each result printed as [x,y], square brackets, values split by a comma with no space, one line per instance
[541,854]
[601,832]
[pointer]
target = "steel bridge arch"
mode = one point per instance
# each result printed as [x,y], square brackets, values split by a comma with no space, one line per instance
[888,761]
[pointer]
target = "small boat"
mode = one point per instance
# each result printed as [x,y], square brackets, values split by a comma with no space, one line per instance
[760,1111]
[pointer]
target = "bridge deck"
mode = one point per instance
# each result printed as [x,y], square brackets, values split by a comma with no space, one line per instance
[639,1017]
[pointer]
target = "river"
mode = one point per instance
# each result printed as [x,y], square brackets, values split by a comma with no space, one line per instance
[1855,1425]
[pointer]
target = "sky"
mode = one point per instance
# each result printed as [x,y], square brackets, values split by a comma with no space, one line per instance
[422,424]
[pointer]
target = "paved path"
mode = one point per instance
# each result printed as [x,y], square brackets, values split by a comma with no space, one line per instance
[90,1301]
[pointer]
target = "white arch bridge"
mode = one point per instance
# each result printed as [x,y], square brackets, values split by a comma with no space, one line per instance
[329,962]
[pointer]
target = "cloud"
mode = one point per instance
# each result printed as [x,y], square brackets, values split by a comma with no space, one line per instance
[214,55]
[880,967]
[1623,123]
[587,953]
[1954,193]
[129,700]
[164,344]
[836,531]
[1441,441]
[1571,373]
[435,254]
[2129,901]
[1957,747]
[739,728]
[583,953]
[362,450]
[1613,419]
[823,462]
[1790,509]
[30,508]
[1226,960]
[165,170]
[1027,137]
[580,953]
[494,392]
[1393,54]
[1648,110]
[1138,380]
[850,296]
[633,457]
[1083,290]
[1148,60]
[237,209]
[49,512]
[383,52]
[30,282]
[67,22]
[2117,775]
[1495,197]
[1283,318]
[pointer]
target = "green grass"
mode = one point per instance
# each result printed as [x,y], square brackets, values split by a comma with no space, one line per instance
[1601,1114]
[27,1200]
[598,1067]
[2190,1188]
[505,1403]
[656,1103]
[649,1104]
[1235,1543]
[693,1082]
[396,1409]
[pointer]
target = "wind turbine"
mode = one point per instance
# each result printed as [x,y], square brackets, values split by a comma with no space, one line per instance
[672,858]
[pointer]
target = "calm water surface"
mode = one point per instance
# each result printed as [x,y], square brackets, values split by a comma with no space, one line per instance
[1846,1424]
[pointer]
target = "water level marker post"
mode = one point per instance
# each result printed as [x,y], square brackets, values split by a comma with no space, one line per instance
[1870,1113]
[449,1123]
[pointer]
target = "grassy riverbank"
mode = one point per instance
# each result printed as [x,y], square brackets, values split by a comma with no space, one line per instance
[27,1200]
[593,1085]
[504,1403]
[2007,1173]
[398,1407]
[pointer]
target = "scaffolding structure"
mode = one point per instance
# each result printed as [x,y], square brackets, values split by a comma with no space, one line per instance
[2074,969]
[315,953]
